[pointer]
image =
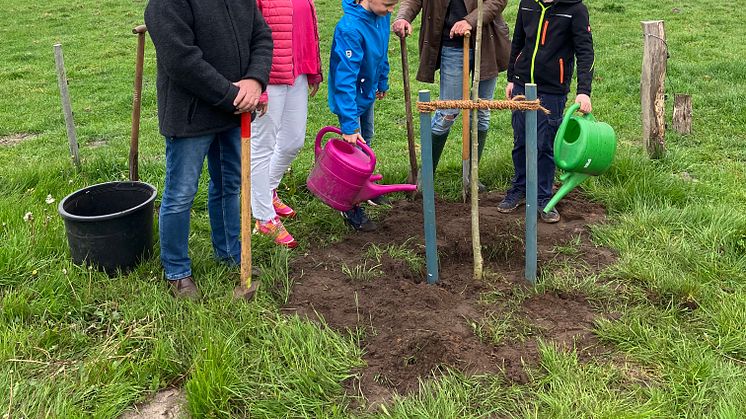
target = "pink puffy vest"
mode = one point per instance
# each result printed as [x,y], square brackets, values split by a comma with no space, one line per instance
[279,16]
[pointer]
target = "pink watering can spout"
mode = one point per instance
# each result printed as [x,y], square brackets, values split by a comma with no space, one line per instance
[372,190]
[343,174]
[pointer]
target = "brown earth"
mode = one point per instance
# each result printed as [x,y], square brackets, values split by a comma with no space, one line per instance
[166,404]
[14,139]
[413,330]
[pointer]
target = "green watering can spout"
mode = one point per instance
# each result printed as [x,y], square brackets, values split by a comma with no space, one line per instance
[570,181]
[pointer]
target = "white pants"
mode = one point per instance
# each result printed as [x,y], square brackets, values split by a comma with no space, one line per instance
[276,138]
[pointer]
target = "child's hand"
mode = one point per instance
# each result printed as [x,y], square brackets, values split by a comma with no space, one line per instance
[262,108]
[402,28]
[314,88]
[460,28]
[509,90]
[352,138]
[585,103]
[380,95]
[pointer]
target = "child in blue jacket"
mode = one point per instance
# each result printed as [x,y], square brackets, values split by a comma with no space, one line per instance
[358,75]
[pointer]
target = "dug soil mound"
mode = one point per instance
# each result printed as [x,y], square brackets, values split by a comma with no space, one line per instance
[374,284]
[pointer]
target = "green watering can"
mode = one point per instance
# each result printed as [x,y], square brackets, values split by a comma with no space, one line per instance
[583,147]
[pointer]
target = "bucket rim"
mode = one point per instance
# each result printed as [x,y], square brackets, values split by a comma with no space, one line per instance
[94,218]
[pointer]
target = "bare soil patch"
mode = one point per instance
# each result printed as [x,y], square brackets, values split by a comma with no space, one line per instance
[166,404]
[13,139]
[413,330]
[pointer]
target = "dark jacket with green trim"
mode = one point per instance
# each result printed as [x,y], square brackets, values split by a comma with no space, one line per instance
[202,47]
[548,38]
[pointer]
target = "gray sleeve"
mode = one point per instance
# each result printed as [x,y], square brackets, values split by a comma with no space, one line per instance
[170,23]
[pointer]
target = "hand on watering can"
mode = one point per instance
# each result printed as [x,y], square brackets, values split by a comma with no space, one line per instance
[352,138]
[249,91]
[402,28]
[585,103]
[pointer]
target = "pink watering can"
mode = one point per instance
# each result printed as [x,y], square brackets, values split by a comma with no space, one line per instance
[343,174]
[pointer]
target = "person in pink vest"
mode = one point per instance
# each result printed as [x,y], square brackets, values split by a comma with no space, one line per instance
[278,135]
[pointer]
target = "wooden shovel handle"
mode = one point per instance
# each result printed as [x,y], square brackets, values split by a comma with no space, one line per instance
[412,178]
[465,114]
[136,104]
[246,200]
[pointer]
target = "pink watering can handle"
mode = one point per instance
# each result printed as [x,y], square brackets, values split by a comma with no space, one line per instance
[370,154]
[367,150]
[320,136]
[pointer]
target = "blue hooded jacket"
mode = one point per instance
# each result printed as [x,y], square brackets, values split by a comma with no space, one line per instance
[359,63]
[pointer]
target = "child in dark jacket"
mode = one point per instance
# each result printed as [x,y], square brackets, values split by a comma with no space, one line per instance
[549,36]
[358,75]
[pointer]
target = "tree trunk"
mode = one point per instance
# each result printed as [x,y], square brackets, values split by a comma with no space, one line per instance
[476,243]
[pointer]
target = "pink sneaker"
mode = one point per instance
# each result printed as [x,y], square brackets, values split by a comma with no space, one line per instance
[281,209]
[275,229]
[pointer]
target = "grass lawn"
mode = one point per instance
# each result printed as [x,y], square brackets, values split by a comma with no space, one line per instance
[75,343]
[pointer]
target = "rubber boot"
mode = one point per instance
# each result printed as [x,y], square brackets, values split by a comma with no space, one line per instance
[481,141]
[439,142]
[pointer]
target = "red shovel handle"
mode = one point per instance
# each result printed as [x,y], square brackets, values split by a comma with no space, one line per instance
[246,125]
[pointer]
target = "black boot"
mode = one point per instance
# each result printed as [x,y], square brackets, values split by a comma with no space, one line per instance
[439,142]
[481,141]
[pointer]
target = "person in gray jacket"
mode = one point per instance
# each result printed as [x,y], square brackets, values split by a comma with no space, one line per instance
[213,59]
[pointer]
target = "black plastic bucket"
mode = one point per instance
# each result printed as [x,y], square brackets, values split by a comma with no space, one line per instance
[110,225]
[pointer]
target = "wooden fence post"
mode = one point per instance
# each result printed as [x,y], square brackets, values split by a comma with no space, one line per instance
[67,109]
[682,114]
[428,191]
[652,94]
[532,182]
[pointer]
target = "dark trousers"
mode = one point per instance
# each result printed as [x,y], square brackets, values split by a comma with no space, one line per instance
[546,129]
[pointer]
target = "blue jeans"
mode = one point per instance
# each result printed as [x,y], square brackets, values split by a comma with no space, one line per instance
[451,78]
[184,160]
[366,125]
[546,129]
